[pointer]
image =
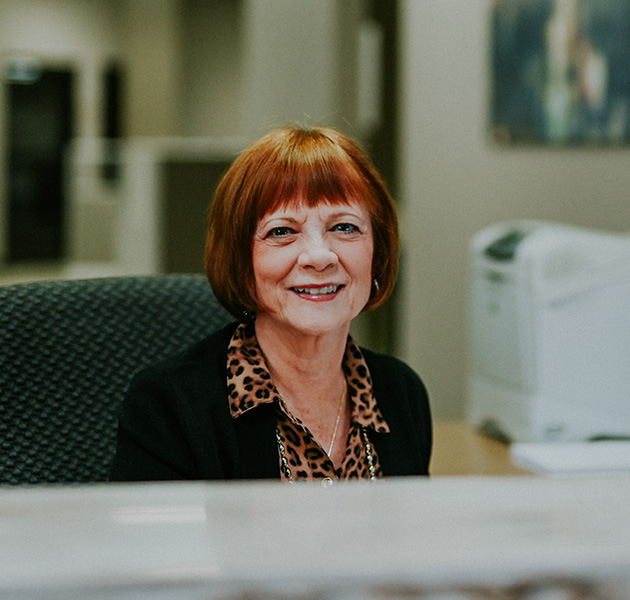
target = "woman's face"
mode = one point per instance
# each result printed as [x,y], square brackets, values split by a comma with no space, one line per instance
[313,266]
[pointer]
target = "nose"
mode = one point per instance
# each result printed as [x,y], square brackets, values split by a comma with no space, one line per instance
[317,253]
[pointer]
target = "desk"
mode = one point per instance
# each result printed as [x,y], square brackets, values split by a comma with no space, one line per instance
[411,538]
[460,450]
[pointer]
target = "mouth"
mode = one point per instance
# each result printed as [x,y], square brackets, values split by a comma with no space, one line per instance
[317,291]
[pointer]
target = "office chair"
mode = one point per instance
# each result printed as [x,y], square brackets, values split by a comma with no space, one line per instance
[68,350]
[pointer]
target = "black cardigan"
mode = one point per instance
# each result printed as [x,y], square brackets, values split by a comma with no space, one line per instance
[175,424]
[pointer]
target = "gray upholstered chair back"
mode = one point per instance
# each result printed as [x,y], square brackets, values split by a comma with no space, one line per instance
[67,352]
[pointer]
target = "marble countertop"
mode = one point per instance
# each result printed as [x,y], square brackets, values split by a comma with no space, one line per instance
[228,540]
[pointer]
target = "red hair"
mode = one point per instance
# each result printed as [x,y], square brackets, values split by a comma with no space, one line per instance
[287,166]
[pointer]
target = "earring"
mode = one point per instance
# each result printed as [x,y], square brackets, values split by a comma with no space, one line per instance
[375,285]
[248,316]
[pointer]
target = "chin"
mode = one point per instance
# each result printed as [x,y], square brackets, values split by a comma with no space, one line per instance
[318,329]
[312,325]
[318,323]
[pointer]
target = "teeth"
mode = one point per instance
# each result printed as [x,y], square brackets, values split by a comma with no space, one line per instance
[329,289]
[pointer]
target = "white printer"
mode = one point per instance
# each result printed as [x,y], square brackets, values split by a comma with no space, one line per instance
[549,333]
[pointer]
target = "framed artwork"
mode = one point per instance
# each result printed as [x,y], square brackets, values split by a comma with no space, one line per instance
[560,72]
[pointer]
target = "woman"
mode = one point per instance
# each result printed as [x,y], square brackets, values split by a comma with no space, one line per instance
[302,237]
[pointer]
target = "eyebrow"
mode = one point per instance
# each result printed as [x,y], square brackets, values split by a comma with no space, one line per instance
[293,219]
[264,223]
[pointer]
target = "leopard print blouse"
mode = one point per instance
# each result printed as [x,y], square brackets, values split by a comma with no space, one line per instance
[250,384]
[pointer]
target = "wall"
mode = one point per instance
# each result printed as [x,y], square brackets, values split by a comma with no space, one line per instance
[212,69]
[455,181]
[296,56]
[152,48]
[76,34]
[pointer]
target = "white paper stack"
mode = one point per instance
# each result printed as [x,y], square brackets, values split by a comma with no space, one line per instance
[558,458]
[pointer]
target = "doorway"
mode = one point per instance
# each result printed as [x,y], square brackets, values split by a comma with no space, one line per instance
[39,126]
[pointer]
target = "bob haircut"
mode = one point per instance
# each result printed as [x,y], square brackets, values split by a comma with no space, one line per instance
[290,166]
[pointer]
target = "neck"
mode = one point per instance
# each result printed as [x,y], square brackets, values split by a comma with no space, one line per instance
[306,369]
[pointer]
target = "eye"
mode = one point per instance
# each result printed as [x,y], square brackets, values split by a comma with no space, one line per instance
[278,232]
[346,228]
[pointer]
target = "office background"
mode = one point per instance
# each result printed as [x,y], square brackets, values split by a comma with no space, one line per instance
[200,78]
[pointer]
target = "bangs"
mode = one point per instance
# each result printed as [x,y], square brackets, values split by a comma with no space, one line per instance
[302,176]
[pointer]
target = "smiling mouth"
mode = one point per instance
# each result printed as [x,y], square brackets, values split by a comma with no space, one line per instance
[317,291]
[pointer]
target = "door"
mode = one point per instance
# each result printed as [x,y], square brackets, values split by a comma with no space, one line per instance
[40,124]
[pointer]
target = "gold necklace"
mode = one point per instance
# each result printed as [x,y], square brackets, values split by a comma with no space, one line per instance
[342,398]
[341,405]
[327,481]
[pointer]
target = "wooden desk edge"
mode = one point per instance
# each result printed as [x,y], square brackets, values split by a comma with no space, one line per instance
[458,449]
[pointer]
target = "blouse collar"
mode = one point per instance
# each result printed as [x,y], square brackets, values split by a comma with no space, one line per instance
[250,384]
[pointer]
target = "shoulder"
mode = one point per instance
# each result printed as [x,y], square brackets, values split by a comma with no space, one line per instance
[212,347]
[403,400]
[188,378]
[185,391]
[399,391]
[391,371]
[173,413]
